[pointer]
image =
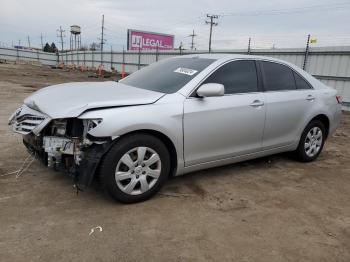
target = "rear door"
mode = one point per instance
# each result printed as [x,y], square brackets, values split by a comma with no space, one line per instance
[225,126]
[288,98]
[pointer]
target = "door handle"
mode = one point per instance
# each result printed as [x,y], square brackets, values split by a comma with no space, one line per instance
[310,98]
[257,103]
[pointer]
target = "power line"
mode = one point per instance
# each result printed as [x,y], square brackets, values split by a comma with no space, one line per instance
[304,9]
[28,41]
[249,47]
[60,34]
[193,35]
[212,23]
[102,33]
[41,41]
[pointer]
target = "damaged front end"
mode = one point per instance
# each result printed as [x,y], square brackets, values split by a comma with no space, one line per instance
[62,144]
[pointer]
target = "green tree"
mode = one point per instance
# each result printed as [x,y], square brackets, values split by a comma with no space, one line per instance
[47,48]
[53,48]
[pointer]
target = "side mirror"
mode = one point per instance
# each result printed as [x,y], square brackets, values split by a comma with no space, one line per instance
[211,89]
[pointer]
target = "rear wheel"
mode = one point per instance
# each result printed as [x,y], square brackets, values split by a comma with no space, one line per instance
[311,141]
[135,168]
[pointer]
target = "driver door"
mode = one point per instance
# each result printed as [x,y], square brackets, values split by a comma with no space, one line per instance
[221,127]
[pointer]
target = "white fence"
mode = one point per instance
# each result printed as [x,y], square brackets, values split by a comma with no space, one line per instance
[12,54]
[329,64]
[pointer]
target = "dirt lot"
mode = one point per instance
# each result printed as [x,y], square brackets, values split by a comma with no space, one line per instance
[270,209]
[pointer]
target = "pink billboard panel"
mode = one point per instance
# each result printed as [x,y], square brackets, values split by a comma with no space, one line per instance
[149,41]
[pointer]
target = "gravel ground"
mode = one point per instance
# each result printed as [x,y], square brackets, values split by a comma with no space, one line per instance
[269,209]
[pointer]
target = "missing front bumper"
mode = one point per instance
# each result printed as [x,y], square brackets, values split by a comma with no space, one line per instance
[83,172]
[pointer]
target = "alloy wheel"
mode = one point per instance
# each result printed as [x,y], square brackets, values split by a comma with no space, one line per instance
[313,141]
[138,170]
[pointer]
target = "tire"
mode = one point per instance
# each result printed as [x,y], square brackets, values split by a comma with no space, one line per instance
[135,168]
[310,146]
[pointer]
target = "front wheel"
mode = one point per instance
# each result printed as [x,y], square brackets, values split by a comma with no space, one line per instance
[135,168]
[311,141]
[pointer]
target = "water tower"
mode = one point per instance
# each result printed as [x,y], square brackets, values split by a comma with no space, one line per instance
[75,37]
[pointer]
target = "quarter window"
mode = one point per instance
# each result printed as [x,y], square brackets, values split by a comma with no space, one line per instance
[278,77]
[300,82]
[237,77]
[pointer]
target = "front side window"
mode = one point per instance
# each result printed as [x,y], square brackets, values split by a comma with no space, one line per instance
[277,77]
[168,76]
[236,76]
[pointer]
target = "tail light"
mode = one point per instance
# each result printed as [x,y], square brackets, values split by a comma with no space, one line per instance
[339,100]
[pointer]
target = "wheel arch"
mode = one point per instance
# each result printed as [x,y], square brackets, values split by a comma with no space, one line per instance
[167,142]
[324,120]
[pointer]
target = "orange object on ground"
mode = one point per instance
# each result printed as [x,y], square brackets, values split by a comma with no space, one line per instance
[123,71]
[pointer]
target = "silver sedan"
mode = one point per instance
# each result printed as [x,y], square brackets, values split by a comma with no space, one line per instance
[176,116]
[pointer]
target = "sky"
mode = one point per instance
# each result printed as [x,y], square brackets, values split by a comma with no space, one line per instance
[269,24]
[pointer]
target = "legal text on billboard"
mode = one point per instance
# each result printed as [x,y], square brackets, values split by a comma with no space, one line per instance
[146,40]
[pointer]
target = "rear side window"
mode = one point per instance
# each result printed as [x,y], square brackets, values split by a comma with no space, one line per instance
[236,76]
[300,82]
[277,77]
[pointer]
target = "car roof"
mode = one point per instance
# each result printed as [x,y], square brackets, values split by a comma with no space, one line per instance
[227,56]
[223,57]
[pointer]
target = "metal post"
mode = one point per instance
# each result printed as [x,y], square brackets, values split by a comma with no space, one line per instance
[306,52]
[58,57]
[111,58]
[157,54]
[37,54]
[139,63]
[248,52]
[77,53]
[17,55]
[84,56]
[123,64]
[92,59]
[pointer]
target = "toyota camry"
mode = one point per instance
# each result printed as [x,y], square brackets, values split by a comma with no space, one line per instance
[176,116]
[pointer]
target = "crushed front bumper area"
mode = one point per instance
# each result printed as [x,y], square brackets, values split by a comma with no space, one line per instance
[62,144]
[82,172]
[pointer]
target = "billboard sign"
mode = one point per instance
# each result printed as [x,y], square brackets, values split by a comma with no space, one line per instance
[142,40]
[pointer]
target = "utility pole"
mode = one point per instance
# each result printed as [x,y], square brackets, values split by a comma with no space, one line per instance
[192,41]
[180,48]
[28,41]
[212,23]
[60,34]
[102,33]
[41,41]
[249,46]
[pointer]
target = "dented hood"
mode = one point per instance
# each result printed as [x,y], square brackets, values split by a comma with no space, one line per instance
[72,99]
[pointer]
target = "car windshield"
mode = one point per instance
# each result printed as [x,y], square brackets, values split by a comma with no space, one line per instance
[169,75]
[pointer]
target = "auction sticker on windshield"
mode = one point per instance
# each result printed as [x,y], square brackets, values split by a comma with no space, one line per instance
[185,71]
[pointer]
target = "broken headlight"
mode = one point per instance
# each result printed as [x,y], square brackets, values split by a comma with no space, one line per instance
[59,127]
[92,123]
